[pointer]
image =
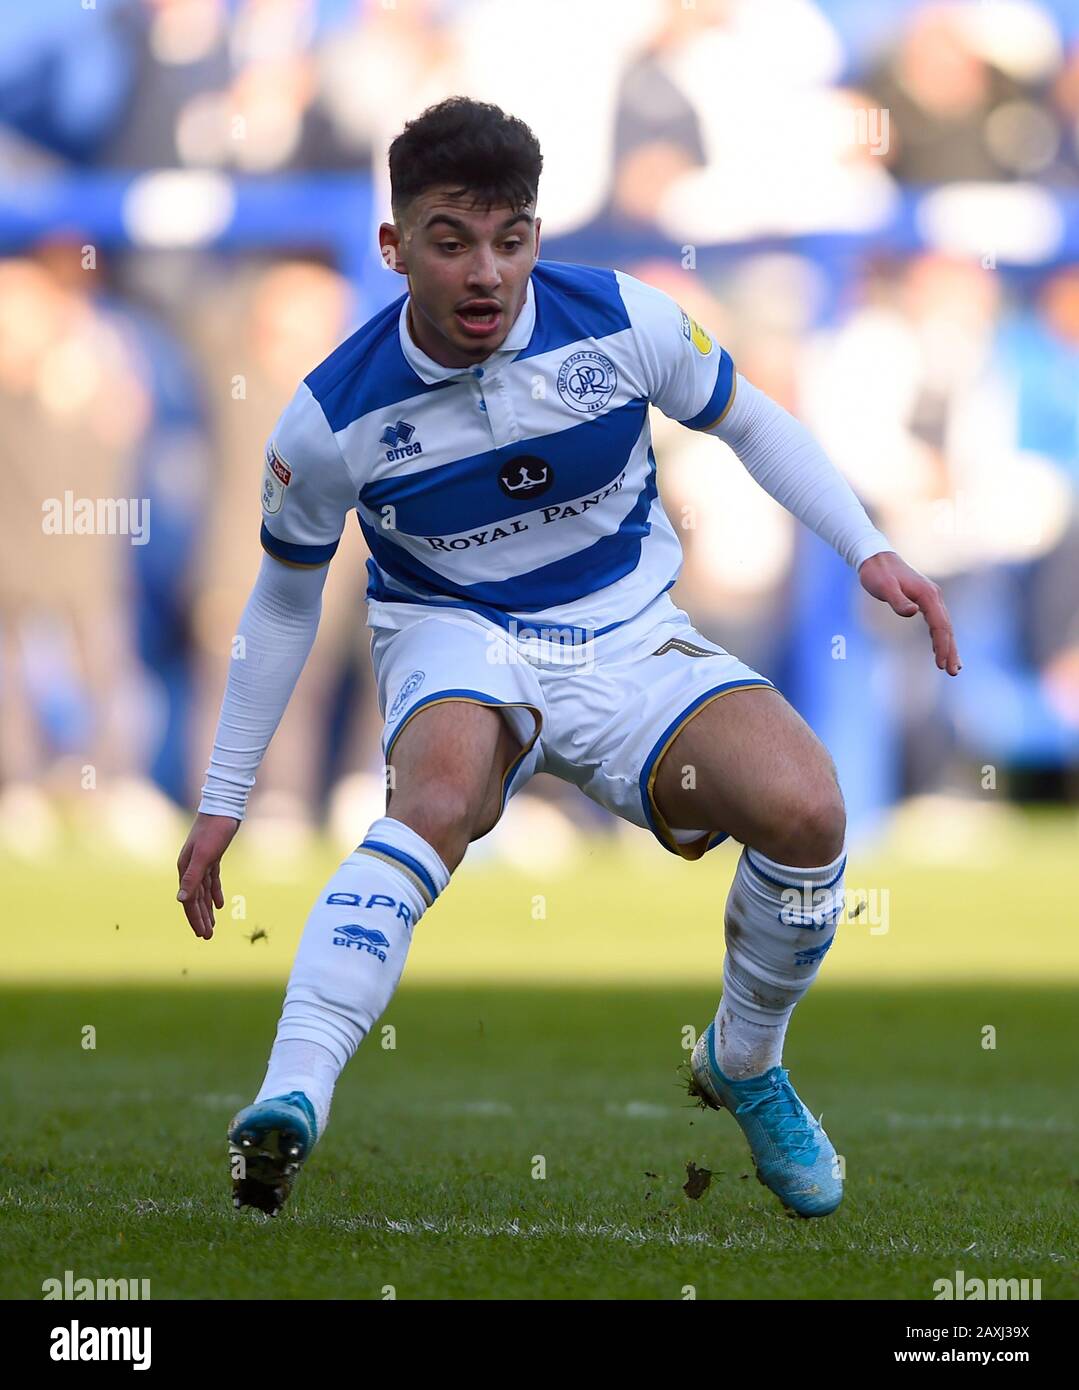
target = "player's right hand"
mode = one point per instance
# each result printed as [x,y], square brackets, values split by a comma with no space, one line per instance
[199,867]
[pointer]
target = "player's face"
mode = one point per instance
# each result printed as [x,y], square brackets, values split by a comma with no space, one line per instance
[467,271]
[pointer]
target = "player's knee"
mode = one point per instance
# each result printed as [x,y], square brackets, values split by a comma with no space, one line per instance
[824,824]
[814,826]
[444,815]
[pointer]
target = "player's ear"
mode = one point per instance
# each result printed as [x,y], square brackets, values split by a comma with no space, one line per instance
[390,247]
[537,226]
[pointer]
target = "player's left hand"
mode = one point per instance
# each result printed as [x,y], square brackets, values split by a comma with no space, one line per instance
[890,579]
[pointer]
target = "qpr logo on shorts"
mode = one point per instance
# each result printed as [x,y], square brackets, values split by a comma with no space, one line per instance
[587,381]
[412,683]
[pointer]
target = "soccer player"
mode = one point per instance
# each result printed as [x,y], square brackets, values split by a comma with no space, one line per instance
[490,429]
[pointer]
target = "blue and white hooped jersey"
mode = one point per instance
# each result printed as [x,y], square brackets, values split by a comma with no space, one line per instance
[523,488]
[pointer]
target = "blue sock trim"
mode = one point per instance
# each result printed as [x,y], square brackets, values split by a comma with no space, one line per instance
[783,883]
[407,860]
[388,830]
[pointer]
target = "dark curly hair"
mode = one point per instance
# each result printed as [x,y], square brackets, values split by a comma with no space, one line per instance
[472,146]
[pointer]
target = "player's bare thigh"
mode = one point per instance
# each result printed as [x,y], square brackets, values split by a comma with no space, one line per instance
[448,765]
[749,764]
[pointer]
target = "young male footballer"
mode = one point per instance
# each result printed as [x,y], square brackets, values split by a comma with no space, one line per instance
[490,430]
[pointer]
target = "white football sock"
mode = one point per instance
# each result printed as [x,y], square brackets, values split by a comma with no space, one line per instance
[297,1065]
[779,923]
[350,959]
[745,1048]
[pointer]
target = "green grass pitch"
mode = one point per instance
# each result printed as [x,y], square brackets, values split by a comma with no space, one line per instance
[527,1135]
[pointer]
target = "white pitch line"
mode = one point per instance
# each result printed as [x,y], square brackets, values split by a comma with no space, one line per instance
[482,1108]
[760,1238]
[1048,1125]
[539,1230]
[622,1110]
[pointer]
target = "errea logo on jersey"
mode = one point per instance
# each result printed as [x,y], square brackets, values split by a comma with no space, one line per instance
[398,439]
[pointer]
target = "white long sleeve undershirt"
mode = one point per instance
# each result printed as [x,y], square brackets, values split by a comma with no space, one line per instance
[278,628]
[784,458]
[280,620]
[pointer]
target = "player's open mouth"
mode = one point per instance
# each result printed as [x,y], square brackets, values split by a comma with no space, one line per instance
[481,319]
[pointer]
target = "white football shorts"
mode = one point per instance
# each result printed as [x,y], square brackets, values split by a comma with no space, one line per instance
[596,711]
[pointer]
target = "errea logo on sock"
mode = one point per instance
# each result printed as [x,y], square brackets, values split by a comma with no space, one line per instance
[363,938]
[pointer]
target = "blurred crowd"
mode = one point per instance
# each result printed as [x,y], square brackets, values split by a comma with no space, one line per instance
[749,156]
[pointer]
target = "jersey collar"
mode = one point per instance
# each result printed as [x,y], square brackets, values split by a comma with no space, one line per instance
[430,371]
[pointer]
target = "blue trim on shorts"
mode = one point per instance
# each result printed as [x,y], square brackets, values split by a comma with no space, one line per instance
[646,771]
[479,697]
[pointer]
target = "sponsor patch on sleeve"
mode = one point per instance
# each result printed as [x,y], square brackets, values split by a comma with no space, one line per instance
[699,338]
[277,464]
[695,334]
[276,478]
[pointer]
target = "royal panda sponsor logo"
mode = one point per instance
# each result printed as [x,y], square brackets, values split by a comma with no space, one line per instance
[557,511]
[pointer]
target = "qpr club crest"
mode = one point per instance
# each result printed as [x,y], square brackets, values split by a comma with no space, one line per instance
[525,476]
[412,683]
[587,381]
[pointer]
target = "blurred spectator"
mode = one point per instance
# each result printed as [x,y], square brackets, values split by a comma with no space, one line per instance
[1064,102]
[761,80]
[380,70]
[260,329]
[66,75]
[561,75]
[962,92]
[73,407]
[657,132]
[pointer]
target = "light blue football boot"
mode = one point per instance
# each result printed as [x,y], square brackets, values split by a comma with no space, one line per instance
[793,1155]
[268,1144]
